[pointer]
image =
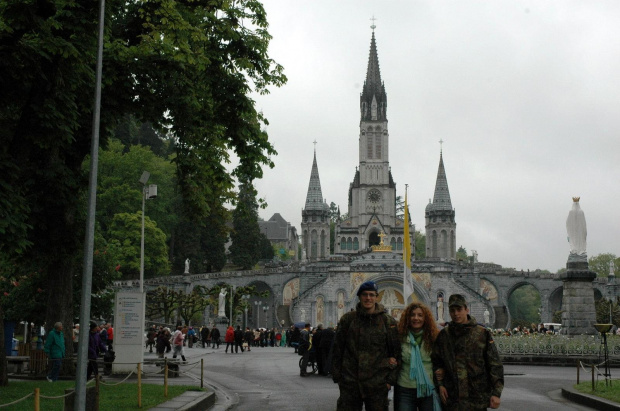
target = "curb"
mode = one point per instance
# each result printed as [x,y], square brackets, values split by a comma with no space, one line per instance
[589,400]
[188,401]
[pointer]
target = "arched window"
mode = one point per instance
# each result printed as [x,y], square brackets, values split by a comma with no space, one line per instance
[369,146]
[434,244]
[399,244]
[349,244]
[378,146]
[356,244]
[443,247]
[393,243]
[343,243]
[322,250]
[314,244]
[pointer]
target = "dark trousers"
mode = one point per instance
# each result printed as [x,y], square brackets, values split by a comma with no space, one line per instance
[406,399]
[318,354]
[304,362]
[55,370]
[351,398]
[93,368]
[238,344]
[231,345]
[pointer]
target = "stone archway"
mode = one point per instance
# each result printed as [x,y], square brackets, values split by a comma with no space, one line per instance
[518,311]
[373,239]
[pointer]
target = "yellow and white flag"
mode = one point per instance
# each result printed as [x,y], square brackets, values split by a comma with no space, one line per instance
[407,279]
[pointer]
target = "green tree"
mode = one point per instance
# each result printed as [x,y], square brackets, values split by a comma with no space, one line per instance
[461,254]
[162,302]
[185,67]
[420,245]
[523,304]
[245,236]
[600,264]
[190,304]
[126,233]
[400,207]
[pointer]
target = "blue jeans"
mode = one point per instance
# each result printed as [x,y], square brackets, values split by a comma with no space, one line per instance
[53,375]
[406,399]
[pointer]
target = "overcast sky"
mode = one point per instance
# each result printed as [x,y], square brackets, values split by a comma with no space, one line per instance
[524,94]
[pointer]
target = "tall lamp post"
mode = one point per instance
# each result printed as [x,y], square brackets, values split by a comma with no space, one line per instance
[265,309]
[246,303]
[258,304]
[148,192]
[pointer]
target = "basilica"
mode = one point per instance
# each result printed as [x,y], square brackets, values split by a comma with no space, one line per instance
[372,195]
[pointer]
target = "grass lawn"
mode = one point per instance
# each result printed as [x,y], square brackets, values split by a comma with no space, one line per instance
[611,392]
[119,397]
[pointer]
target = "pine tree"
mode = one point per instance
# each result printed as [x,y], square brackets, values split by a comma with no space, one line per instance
[245,248]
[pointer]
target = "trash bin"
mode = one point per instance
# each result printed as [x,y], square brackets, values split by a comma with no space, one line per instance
[108,359]
[14,349]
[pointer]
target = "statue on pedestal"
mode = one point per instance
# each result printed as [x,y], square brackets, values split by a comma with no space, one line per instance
[186,266]
[222,303]
[577,233]
[486,317]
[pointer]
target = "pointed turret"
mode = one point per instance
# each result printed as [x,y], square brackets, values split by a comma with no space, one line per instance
[441,199]
[373,100]
[314,198]
[315,218]
[440,221]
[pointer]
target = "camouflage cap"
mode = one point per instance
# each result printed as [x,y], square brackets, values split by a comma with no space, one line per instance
[457,300]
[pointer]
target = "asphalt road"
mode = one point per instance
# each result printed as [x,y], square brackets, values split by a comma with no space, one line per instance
[268,378]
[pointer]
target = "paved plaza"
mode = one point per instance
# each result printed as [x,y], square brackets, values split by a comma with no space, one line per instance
[269,378]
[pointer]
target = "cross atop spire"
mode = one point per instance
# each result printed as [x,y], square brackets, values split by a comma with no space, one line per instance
[441,146]
[373,27]
[314,142]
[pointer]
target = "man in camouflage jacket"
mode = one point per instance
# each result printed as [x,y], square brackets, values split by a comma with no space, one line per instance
[366,353]
[473,372]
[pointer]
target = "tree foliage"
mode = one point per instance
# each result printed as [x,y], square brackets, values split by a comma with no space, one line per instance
[245,236]
[184,67]
[524,304]
[420,245]
[461,254]
[600,264]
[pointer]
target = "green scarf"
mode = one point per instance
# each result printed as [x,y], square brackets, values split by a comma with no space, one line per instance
[425,386]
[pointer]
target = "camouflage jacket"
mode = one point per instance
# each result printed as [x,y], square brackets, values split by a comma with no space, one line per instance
[473,369]
[362,348]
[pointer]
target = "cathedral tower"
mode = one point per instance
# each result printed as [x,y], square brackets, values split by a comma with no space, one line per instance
[372,194]
[440,223]
[315,219]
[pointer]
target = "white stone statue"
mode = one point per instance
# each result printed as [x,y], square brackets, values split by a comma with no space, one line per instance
[440,319]
[487,317]
[186,266]
[222,303]
[577,232]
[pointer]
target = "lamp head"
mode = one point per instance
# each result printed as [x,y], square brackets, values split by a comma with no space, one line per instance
[145,177]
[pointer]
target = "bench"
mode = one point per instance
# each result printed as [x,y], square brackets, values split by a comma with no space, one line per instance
[16,363]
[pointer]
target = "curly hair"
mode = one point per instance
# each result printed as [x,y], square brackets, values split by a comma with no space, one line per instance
[430,327]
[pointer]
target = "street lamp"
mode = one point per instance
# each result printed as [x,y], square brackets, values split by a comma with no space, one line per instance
[265,309]
[148,192]
[258,304]
[245,301]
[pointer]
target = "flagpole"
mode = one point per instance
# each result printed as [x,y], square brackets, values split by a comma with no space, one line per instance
[408,288]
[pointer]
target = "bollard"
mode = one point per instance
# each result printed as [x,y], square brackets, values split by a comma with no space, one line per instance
[593,389]
[202,372]
[578,366]
[166,378]
[97,392]
[37,399]
[139,385]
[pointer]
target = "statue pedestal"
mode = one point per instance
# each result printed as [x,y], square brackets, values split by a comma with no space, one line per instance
[578,313]
[222,320]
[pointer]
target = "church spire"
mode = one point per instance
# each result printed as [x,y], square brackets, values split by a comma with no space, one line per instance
[314,198]
[373,100]
[441,200]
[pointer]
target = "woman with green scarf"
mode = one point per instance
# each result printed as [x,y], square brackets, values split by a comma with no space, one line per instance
[415,389]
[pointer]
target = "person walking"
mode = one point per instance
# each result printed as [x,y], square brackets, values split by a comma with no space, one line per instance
[177,343]
[473,371]
[55,349]
[110,339]
[327,341]
[249,338]
[204,336]
[215,337]
[238,340]
[414,389]
[151,336]
[304,349]
[163,342]
[229,339]
[366,354]
[191,333]
[95,348]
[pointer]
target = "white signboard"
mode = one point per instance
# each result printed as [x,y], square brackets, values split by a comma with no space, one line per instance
[128,330]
